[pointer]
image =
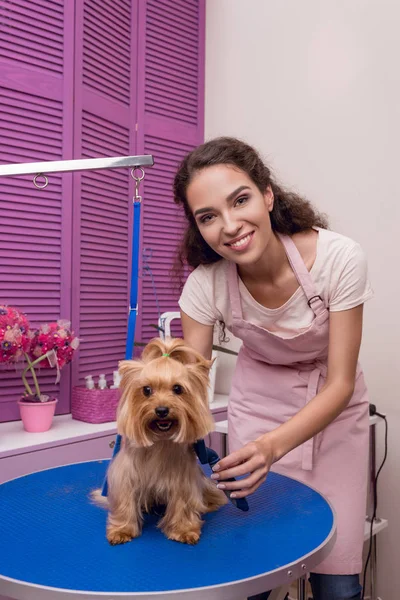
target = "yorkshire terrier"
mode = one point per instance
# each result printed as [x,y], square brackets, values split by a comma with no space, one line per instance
[163,410]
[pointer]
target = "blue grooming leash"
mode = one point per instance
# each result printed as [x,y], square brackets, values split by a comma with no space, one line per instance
[133,308]
[209,456]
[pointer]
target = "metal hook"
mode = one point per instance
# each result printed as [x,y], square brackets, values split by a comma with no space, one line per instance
[137,179]
[37,185]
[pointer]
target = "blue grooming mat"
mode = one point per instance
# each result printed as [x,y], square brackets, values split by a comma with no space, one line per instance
[52,535]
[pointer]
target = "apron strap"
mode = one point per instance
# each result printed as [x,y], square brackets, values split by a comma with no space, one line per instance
[300,270]
[302,274]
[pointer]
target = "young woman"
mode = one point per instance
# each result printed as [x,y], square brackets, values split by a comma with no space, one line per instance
[266,267]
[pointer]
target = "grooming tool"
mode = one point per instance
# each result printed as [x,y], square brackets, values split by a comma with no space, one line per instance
[209,456]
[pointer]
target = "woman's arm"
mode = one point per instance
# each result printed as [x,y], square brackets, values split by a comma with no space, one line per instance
[198,336]
[256,458]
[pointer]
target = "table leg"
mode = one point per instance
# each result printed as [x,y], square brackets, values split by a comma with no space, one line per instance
[278,593]
[373,558]
[301,588]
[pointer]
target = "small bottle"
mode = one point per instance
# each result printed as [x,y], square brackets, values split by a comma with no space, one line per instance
[89,382]
[116,380]
[102,382]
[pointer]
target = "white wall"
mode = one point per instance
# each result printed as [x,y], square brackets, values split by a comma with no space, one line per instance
[315,85]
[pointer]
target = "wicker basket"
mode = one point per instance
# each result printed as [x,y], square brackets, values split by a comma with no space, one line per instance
[94,406]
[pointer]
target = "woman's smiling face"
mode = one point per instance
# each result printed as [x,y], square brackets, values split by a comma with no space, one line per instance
[231,213]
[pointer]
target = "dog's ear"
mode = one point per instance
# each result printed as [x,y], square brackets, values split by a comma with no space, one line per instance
[202,364]
[129,371]
[198,374]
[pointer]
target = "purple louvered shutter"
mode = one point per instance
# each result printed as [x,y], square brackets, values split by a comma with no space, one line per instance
[105,118]
[170,117]
[68,73]
[35,125]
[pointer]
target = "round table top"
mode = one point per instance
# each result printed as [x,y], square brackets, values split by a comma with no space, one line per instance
[53,544]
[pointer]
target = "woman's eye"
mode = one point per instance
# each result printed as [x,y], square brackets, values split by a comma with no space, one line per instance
[241,200]
[147,391]
[205,219]
[177,389]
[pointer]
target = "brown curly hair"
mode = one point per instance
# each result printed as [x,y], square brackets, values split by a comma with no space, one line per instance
[290,214]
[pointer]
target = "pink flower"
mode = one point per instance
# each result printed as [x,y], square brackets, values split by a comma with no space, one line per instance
[54,336]
[52,345]
[14,334]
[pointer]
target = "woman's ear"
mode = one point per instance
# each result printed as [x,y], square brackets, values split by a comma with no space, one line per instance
[269,198]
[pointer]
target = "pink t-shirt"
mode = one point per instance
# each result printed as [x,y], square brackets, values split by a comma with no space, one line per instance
[339,272]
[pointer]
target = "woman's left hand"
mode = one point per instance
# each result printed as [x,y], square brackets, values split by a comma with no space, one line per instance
[254,460]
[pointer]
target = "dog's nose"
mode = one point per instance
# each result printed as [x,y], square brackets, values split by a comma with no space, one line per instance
[162,412]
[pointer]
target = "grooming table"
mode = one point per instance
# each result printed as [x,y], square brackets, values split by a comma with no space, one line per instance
[53,544]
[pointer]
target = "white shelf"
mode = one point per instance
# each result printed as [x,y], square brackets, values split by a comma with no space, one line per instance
[378,526]
[222,427]
[375,419]
[219,401]
[15,440]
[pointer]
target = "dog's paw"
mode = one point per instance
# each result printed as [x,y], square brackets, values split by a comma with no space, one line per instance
[213,497]
[119,536]
[185,537]
[215,503]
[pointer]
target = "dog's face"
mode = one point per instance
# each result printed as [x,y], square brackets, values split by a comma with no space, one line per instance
[165,397]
